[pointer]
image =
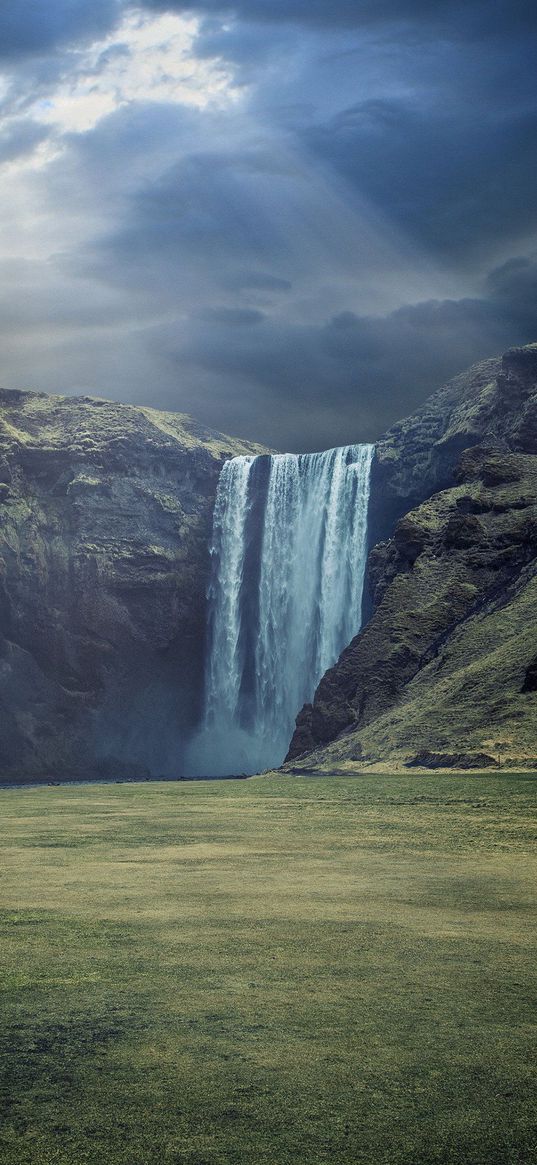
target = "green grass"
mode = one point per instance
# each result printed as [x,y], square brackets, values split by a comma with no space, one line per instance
[269,972]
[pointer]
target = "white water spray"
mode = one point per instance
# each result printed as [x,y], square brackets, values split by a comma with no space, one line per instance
[288,555]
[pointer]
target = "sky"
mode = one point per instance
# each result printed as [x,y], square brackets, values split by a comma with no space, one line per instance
[292,219]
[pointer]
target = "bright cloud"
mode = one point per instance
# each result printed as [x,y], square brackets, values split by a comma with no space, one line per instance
[145,59]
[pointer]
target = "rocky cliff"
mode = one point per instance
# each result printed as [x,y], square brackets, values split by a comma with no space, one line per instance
[105,515]
[445,670]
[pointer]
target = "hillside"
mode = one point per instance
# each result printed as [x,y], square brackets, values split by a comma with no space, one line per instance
[445,671]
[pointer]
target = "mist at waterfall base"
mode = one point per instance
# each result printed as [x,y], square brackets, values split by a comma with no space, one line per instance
[288,558]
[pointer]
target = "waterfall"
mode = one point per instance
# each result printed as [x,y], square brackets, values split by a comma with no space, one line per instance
[288,557]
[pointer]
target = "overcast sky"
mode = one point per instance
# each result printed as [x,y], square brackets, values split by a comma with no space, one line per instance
[290,218]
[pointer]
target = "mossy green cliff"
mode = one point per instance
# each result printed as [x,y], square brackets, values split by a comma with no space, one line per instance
[444,673]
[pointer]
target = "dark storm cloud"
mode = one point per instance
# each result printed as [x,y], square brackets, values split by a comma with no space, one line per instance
[212,243]
[36,26]
[196,224]
[256,281]
[450,180]
[305,387]
[304,263]
[247,220]
[19,138]
[513,288]
[443,140]
[480,17]
[232,316]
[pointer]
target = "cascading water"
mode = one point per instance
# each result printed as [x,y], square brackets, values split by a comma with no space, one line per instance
[288,561]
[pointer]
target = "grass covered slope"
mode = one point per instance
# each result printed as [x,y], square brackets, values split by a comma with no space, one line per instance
[475,692]
[270,972]
[445,664]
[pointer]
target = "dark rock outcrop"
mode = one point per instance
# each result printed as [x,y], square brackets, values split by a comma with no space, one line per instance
[105,514]
[530,678]
[452,760]
[494,401]
[442,663]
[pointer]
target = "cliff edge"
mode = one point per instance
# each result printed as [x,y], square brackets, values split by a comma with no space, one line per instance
[105,517]
[444,673]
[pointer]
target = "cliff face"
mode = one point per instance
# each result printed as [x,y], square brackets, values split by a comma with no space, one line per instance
[447,663]
[493,402]
[105,516]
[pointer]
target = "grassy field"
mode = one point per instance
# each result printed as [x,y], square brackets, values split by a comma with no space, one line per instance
[269,972]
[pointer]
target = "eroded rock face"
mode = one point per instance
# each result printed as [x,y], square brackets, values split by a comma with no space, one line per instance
[105,516]
[443,664]
[494,402]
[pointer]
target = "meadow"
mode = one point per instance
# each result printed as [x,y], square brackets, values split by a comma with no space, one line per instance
[276,971]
